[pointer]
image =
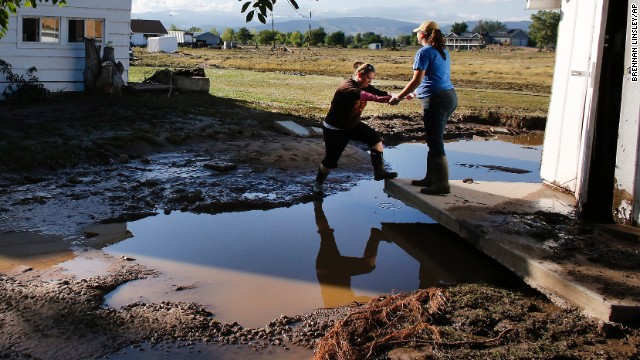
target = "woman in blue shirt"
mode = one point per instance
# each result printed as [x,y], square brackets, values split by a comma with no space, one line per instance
[432,84]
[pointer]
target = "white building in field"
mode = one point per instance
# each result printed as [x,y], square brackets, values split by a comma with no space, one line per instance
[141,30]
[51,39]
[592,136]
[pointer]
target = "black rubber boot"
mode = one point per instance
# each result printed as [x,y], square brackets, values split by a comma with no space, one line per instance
[317,185]
[440,175]
[379,173]
[428,177]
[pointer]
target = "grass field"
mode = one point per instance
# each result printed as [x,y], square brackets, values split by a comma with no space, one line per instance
[302,82]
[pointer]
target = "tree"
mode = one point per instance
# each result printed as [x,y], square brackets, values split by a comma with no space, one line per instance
[544,28]
[228,35]
[282,38]
[194,29]
[317,36]
[459,28]
[173,27]
[336,39]
[357,40]
[488,26]
[405,39]
[244,35]
[265,37]
[296,38]
[8,7]
[214,31]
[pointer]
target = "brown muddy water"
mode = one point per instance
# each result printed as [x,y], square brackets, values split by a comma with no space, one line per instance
[253,266]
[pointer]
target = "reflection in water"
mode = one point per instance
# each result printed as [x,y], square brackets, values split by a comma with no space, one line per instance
[253,266]
[444,258]
[334,271]
[34,250]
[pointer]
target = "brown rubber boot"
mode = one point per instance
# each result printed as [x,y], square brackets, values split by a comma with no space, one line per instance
[440,173]
[428,178]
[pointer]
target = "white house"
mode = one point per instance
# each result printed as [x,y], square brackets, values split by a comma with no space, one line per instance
[51,38]
[141,30]
[592,136]
[464,41]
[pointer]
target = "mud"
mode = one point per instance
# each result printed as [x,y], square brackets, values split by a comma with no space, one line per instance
[75,162]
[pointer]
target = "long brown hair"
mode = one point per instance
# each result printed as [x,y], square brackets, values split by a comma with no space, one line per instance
[434,38]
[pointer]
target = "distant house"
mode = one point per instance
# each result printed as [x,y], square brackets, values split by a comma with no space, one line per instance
[208,38]
[464,41]
[51,39]
[513,37]
[141,30]
[182,36]
[375,46]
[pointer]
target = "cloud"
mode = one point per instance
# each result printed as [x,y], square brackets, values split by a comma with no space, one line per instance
[145,6]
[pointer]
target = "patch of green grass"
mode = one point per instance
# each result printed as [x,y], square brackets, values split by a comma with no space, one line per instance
[302,83]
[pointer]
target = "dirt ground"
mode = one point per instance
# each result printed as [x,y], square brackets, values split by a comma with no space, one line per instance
[74,162]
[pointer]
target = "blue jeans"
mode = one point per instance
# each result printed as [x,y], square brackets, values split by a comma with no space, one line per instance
[436,112]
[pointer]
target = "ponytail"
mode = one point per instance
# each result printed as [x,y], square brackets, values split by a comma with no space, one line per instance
[435,39]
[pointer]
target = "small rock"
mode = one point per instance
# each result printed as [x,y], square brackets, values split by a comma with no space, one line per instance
[123,158]
[220,166]
[23,269]
[467,181]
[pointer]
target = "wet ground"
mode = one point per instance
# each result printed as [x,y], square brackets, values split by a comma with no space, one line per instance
[216,249]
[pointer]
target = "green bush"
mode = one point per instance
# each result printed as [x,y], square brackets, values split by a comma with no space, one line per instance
[21,89]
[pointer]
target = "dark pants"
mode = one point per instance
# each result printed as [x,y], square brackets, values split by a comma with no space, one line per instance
[335,141]
[436,112]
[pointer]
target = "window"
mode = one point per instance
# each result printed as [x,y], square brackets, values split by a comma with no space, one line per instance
[41,29]
[30,29]
[76,30]
[81,28]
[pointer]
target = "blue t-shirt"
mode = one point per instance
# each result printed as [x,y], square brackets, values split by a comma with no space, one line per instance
[437,76]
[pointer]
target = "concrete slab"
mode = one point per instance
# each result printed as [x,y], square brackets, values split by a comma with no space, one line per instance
[196,83]
[292,128]
[490,214]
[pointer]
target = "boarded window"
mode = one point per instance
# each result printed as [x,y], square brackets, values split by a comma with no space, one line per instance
[95,29]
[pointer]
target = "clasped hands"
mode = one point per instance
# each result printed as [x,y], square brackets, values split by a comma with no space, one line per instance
[395,100]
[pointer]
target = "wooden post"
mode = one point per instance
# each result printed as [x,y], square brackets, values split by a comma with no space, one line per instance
[91,64]
[101,75]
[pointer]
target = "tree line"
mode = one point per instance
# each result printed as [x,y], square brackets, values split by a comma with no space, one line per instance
[314,37]
[543,32]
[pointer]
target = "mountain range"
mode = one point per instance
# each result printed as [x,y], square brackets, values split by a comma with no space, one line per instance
[384,27]
[348,25]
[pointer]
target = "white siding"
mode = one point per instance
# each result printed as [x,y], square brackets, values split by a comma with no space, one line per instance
[567,131]
[60,65]
[626,202]
[138,39]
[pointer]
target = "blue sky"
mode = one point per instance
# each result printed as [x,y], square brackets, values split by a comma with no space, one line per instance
[227,12]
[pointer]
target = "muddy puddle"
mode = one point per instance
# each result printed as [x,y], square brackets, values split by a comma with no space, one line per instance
[250,267]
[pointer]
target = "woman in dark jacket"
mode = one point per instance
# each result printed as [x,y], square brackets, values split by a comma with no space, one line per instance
[343,124]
